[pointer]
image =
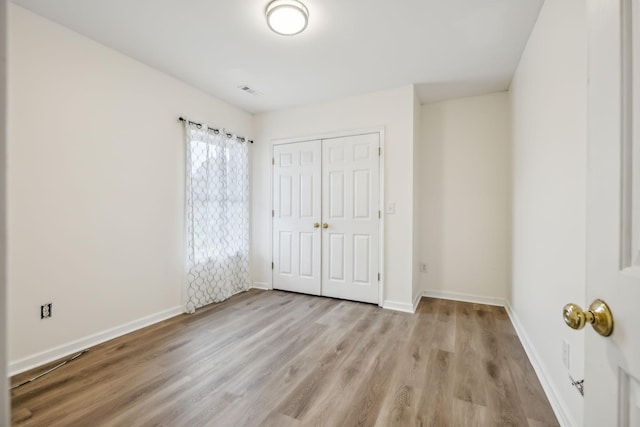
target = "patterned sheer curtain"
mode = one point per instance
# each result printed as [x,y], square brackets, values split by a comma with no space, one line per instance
[217,216]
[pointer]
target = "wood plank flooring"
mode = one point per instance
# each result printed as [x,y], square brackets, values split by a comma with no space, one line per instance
[270,358]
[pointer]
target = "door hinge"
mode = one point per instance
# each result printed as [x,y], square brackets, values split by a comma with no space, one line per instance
[379,151]
[379,214]
[272,265]
[378,277]
[273,214]
[273,160]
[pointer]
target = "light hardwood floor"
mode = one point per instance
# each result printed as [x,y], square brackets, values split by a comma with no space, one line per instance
[270,358]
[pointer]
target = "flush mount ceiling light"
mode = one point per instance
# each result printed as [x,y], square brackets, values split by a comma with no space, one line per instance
[287,17]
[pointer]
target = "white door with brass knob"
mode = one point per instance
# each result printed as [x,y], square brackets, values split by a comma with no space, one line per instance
[350,176]
[296,217]
[612,349]
[326,217]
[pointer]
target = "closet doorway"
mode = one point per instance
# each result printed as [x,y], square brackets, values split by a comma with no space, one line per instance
[327,218]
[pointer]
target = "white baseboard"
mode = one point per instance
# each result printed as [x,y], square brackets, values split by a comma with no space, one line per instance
[556,402]
[457,296]
[398,306]
[92,340]
[416,301]
[261,285]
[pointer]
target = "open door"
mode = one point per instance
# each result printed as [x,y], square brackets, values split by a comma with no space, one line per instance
[612,363]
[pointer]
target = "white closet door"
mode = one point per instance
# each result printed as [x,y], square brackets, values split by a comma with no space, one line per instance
[350,203]
[296,217]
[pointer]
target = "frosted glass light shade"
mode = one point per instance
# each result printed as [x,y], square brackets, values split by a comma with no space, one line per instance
[287,17]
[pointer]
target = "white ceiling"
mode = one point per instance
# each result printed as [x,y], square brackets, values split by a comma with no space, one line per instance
[448,48]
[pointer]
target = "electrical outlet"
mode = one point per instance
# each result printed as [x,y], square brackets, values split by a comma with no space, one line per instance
[45,310]
[424,267]
[565,353]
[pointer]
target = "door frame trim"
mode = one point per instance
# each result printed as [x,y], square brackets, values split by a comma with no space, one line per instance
[340,134]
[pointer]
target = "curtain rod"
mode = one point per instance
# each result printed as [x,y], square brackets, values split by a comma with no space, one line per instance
[229,135]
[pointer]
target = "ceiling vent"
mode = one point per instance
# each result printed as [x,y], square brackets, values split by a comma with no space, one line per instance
[249,90]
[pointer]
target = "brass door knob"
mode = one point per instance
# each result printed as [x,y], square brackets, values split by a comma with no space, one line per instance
[599,315]
[325,225]
[316,225]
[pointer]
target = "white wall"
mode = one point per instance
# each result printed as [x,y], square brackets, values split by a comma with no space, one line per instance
[4,394]
[548,97]
[464,197]
[95,185]
[392,109]
[417,200]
